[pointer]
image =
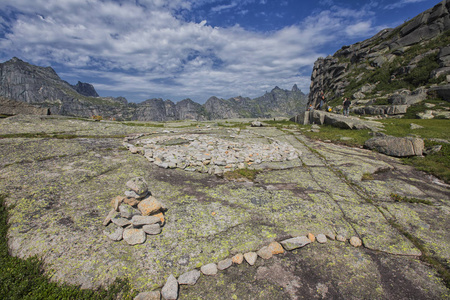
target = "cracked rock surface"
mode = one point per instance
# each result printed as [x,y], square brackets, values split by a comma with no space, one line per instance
[60,191]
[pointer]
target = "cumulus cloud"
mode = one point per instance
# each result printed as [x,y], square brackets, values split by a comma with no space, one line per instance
[146,48]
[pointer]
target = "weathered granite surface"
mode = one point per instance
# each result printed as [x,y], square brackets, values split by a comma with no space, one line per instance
[60,191]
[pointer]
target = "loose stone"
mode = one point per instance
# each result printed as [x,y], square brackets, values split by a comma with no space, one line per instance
[131,201]
[331,236]
[145,220]
[264,252]
[161,217]
[294,243]
[209,269]
[251,257]
[119,221]
[321,238]
[341,238]
[170,289]
[116,235]
[134,236]
[224,264]
[238,258]
[190,277]
[107,220]
[138,185]
[149,206]
[152,229]
[153,295]
[133,194]
[275,248]
[311,237]
[126,211]
[115,202]
[355,241]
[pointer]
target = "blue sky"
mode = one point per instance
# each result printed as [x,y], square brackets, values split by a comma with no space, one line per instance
[177,49]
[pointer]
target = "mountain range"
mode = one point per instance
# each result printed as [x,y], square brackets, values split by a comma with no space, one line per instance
[41,87]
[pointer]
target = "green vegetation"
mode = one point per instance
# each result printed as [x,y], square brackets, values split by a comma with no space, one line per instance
[421,107]
[367,176]
[398,198]
[25,278]
[391,76]
[241,125]
[437,164]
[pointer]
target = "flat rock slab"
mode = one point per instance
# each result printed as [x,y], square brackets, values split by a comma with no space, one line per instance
[294,243]
[61,190]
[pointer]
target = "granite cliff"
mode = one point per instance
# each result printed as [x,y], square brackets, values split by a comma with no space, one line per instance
[42,87]
[396,67]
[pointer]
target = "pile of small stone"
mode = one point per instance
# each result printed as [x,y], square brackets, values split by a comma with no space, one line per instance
[171,287]
[208,154]
[134,216]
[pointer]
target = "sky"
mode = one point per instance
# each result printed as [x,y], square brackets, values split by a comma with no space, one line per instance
[178,49]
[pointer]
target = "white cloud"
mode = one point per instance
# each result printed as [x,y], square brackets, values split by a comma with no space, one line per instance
[147,49]
[401,3]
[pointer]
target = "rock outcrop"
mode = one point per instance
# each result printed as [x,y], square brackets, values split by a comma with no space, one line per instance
[396,146]
[394,61]
[10,107]
[85,89]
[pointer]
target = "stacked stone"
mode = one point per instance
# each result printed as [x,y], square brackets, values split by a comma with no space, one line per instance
[203,153]
[134,216]
[172,285]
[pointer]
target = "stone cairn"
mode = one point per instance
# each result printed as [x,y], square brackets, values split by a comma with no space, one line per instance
[171,287]
[134,216]
[208,154]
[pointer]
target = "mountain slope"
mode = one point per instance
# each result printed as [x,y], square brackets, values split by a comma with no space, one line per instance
[395,67]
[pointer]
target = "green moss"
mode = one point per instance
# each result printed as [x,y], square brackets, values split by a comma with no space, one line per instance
[398,198]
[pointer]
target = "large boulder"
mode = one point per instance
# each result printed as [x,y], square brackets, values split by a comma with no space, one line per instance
[442,91]
[396,146]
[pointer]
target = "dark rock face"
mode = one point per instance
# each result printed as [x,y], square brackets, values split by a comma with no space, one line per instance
[333,74]
[85,89]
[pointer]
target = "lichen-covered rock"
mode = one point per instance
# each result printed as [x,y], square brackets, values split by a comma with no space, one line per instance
[224,264]
[108,218]
[189,278]
[209,269]
[127,212]
[311,237]
[251,257]
[395,146]
[264,252]
[138,185]
[170,289]
[145,220]
[119,221]
[134,236]
[114,232]
[238,258]
[341,238]
[275,248]
[153,295]
[321,238]
[149,206]
[294,243]
[152,229]
[355,241]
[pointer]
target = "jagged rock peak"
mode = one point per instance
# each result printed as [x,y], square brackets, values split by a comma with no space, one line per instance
[85,89]
[295,88]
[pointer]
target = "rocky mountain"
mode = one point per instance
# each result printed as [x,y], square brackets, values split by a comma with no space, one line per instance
[392,70]
[42,87]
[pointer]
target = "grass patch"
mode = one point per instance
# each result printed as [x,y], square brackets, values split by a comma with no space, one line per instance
[25,278]
[335,135]
[437,164]
[240,174]
[64,136]
[234,125]
[398,198]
